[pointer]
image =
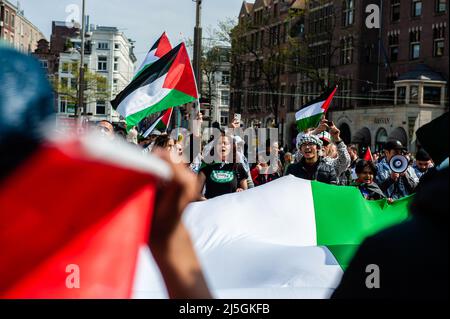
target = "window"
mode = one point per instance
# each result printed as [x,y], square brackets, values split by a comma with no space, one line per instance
[74,83]
[348,12]
[414,40]
[432,95]
[347,51]
[116,64]
[225,78]
[441,6]
[62,106]
[438,41]
[275,10]
[416,8]
[103,46]
[224,118]
[102,63]
[346,88]
[6,17]
[64,82]
[415,51]
[13,22]
[44,64]
[395,10]
[65,67]
[225,98]
[401,95]
[115,85]
[117,46]
[100,108]
[414,94]
[393,47]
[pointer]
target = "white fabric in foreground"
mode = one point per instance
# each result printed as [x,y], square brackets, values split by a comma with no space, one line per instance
[259,244]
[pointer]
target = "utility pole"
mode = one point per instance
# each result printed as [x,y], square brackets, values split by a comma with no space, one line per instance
[380,43]
[198,45]
[80,106]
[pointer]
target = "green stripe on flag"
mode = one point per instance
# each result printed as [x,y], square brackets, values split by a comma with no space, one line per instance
[309,122]
[173,99]
[344,218]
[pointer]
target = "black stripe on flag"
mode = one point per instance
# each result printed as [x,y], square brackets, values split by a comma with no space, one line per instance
[149,75]
[323,97]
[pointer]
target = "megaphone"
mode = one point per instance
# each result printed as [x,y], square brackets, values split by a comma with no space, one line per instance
[399,164]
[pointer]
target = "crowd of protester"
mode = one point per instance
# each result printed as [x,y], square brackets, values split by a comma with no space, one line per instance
[413,249]
[320,154]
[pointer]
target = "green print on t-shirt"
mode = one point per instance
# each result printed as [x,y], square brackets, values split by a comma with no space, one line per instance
[222,177]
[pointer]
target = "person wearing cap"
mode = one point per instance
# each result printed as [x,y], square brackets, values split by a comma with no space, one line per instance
[312,166]
[395,185]
[422,163]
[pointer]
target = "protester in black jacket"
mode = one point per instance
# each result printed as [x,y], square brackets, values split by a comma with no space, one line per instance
[312,166]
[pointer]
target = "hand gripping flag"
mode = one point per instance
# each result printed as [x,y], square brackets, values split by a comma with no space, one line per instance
[169,82]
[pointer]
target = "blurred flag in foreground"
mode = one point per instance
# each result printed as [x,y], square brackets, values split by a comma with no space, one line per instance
[73,221]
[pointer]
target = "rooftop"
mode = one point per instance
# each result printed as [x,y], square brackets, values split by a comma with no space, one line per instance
[422,72]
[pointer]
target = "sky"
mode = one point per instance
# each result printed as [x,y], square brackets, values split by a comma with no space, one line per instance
[141,20]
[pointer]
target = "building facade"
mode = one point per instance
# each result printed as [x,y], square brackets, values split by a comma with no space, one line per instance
[109,64]
[216,70]
[336,46]
[16,29]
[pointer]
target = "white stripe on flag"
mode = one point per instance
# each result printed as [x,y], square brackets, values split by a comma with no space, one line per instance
[309,111]
[149,59]
[143,98]
[257,244]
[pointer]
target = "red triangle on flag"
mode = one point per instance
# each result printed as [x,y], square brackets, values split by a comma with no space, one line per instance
[368,156]
[164,46]
[181,76]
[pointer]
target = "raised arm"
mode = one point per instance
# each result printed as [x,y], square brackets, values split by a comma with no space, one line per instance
[169,240]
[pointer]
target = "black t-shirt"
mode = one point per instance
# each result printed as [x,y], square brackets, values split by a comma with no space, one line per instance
[222,178]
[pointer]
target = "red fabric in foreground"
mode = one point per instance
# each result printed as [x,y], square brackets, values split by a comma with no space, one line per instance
[59,210]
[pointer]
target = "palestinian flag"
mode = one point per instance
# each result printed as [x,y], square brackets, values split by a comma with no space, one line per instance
[310,115]
[169,82]
[294,244]
[161,124]
[68,239]
[158,50]
[368,156]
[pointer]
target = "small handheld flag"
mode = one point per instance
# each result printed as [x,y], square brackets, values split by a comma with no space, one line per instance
[309,116]
[368,156]
[161,124]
